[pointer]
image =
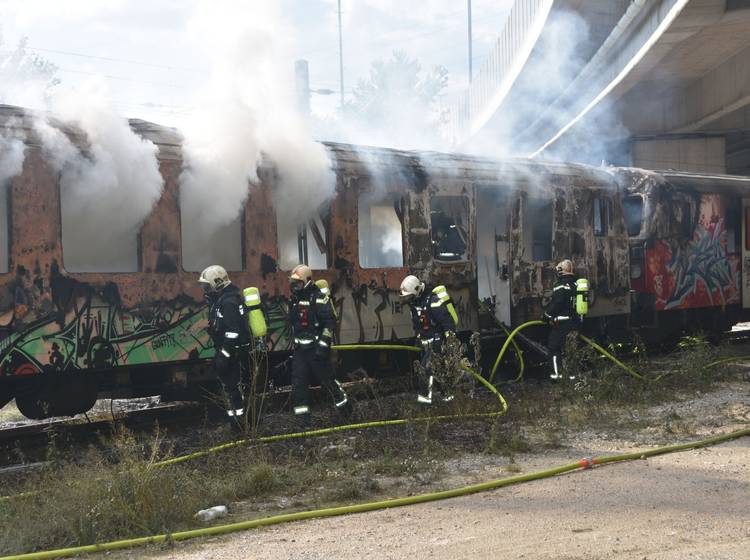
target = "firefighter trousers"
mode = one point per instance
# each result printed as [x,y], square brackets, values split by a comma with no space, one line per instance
[307,367]
[428,384]
[558,334]
[232,384]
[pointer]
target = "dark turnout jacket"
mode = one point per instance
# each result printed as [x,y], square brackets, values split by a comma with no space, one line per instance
[312,317]
[430,318]
[226,320]
[562,305]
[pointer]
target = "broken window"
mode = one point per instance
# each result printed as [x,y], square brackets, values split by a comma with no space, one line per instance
[732,221]
[303,240]
[380,231]
[602,215]
[4,228]
[632,207]
[449,221]
[95,241]
[684,216]
[538,222]
[204,244]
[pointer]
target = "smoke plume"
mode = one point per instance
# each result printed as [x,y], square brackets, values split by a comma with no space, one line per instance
[249,113]
[107,189]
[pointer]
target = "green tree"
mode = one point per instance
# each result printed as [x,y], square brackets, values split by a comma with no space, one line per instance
[398,96]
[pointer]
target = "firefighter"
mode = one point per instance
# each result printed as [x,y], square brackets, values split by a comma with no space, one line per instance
[228,328]
[560,314]
[434,319]
[313,321]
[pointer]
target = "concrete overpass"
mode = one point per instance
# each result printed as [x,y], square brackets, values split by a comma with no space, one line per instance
[654,83]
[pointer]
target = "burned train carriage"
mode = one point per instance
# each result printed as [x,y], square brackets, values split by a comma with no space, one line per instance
[687,254]
[485,229]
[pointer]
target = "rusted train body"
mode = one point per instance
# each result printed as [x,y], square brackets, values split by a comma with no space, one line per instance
[688,250]
[488,230]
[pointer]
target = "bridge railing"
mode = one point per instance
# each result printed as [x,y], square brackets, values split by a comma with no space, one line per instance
[501,67]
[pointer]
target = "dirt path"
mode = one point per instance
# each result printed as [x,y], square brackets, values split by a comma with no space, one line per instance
[694,504]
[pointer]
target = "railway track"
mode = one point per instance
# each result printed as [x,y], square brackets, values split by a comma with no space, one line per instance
[27,442]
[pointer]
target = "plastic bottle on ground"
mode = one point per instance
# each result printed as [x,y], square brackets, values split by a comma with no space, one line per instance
[212,513]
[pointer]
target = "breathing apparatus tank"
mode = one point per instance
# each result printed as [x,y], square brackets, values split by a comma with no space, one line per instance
[325,289]
[582,297]
[442,293]
[255,318]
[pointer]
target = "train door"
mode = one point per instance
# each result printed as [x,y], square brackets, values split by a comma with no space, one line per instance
[744,283]
[493,247]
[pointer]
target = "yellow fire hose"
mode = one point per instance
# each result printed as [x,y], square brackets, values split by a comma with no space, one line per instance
[585,463]
[333,429]
[516,348]
[508,341]
[400,421]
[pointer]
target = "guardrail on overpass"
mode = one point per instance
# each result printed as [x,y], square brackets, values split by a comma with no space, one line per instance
[498,73]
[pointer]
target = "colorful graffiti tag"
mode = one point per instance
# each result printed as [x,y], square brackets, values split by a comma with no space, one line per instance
[699,273]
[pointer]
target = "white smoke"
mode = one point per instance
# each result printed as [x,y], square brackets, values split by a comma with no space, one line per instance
[11,163]
[249,112]
[11,158]
[528,117]
[109,176]
[107,189]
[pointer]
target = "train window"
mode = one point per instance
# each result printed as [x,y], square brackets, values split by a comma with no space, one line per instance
[380,232]
[4,228]
[685,218]
[747,228]
[732,221]
[88,245]
[449,220]
[539,213]
[303,241]
[632,207]
[203,246]
[602,215]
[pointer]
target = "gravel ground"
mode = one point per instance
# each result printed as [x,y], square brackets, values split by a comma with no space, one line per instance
[692,504]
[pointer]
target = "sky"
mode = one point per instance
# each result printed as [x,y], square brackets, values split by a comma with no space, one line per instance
[153,59]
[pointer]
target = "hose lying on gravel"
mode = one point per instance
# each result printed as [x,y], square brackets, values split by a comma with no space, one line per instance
[585,463]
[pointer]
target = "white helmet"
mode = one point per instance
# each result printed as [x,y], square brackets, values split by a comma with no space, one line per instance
[564,267]
[215,277]
[300,278]
[411,287]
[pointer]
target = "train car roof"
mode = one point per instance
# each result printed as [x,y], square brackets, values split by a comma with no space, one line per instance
[636,180]
[519,172]
[462,166]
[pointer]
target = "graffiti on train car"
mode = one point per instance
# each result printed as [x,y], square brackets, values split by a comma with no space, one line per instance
[61,324]
[699,273]
[78,327]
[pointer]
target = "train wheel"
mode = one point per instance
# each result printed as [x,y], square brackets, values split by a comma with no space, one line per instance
[6,394]
[66,395]
[33,405]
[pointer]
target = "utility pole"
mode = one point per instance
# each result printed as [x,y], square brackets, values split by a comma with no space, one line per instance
[341,58]
[469,14]
[302,86]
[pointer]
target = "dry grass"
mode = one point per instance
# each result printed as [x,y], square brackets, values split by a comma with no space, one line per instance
[114,490]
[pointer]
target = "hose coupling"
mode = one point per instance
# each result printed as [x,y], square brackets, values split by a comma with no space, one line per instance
[587,462]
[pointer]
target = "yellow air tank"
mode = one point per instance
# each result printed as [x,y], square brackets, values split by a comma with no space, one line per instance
[255,317]
[325,289]
[442,293]
[582,296]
